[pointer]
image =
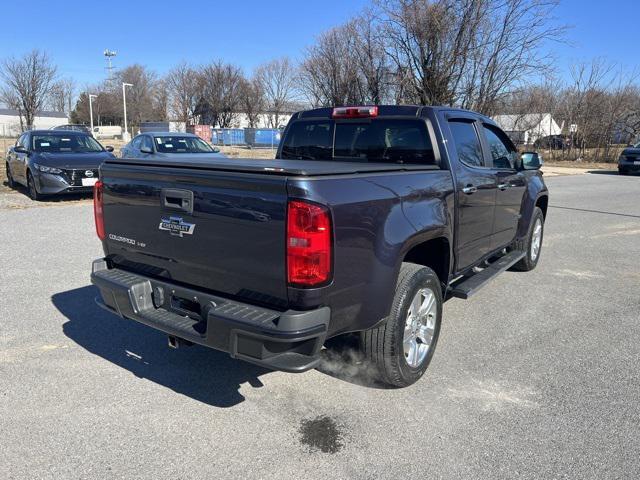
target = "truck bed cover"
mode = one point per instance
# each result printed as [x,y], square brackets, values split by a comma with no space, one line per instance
[274,166]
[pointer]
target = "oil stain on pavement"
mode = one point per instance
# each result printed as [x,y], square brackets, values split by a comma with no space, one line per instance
[321,433]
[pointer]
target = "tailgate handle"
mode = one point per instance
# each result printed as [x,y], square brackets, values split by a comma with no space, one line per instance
[177,199]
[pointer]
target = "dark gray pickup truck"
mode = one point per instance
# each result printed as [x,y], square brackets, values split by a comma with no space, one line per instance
[366,221]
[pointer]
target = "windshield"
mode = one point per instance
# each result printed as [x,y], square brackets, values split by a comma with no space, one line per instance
[182,145]
[377,140]
[65,143]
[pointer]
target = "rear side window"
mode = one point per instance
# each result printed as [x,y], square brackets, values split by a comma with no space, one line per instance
[377,140]
[467,143]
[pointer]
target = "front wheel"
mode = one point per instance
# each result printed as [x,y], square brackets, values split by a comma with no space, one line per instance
[532,244]
[32,189]
[622,171]
[401,349]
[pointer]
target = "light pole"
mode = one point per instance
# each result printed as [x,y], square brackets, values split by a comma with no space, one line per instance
[125,135]
[91,97]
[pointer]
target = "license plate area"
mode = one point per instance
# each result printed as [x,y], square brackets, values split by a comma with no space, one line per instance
[89,182]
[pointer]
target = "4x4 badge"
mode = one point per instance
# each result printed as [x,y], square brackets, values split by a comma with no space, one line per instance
[176,226]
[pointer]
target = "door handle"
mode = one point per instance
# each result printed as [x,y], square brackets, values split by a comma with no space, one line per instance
[469,189]
[504,186]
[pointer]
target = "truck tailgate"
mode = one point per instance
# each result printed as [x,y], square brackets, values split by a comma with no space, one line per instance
[222,231]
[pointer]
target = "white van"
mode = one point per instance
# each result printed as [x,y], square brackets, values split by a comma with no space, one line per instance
[107,131]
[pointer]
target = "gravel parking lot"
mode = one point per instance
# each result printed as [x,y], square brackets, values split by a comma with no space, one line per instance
[535,377]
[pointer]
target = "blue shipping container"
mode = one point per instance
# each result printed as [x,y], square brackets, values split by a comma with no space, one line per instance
[267,137]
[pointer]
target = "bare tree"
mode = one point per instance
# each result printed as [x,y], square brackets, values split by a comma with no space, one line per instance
[62,95]
[277,79]
[183,84]
[252,101]
[221,86]
[329,74]
[27,84]
[160,101]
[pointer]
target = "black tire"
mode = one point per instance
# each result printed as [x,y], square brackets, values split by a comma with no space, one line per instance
[10,181]
[32,189]
[529,261]
[383,346]
[622,171]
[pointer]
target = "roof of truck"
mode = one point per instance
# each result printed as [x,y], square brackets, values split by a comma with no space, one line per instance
[388,110]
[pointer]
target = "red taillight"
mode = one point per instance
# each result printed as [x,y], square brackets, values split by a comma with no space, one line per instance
[308,244]
[355,112]
[97,209]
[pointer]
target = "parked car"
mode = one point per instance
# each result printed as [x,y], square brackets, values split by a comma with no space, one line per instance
[366,221]
[629,160]
[50,162]
[107,131]
[154,145]
[552,142]
[74,128]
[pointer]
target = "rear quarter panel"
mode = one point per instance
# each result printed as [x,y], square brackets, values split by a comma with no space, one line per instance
[377,218]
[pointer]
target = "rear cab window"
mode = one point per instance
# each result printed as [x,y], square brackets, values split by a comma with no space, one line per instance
[381,140]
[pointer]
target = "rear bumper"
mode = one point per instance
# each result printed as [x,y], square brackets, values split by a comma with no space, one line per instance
[628,166]
[288,341]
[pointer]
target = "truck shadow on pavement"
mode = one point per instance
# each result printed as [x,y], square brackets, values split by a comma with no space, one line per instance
[201,373]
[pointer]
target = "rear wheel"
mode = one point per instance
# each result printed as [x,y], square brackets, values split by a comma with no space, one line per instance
[532,244]
[33,190]
[402,347]
[10,181]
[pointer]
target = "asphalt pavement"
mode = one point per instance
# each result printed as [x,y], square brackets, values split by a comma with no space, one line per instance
[535,377]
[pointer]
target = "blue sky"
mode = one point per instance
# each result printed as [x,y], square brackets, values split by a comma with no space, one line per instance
[160,34]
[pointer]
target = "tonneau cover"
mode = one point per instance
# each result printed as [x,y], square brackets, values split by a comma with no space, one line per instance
[273,166]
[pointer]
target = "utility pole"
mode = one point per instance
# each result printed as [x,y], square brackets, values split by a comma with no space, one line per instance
[125,135]
[91,97]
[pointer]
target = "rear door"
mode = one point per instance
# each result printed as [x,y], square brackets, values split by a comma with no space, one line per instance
[219,231]
[475,191]
[502,156]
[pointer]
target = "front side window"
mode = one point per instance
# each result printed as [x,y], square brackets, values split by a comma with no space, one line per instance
[137,142]
[502,153]
[467,143]
[65,144]
[146,142]
[179,144]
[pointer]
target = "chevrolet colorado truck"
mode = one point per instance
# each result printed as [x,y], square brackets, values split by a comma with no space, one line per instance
[366,221]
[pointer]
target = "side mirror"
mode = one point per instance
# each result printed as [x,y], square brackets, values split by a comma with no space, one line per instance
[145,150]
[531,161]
[19,149]
[109,148]
[216,150]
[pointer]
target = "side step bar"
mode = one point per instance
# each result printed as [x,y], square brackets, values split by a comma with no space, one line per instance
[469,285]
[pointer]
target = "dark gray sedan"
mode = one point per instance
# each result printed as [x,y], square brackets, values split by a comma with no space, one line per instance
[167,144]
[49,162]
[629,160]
